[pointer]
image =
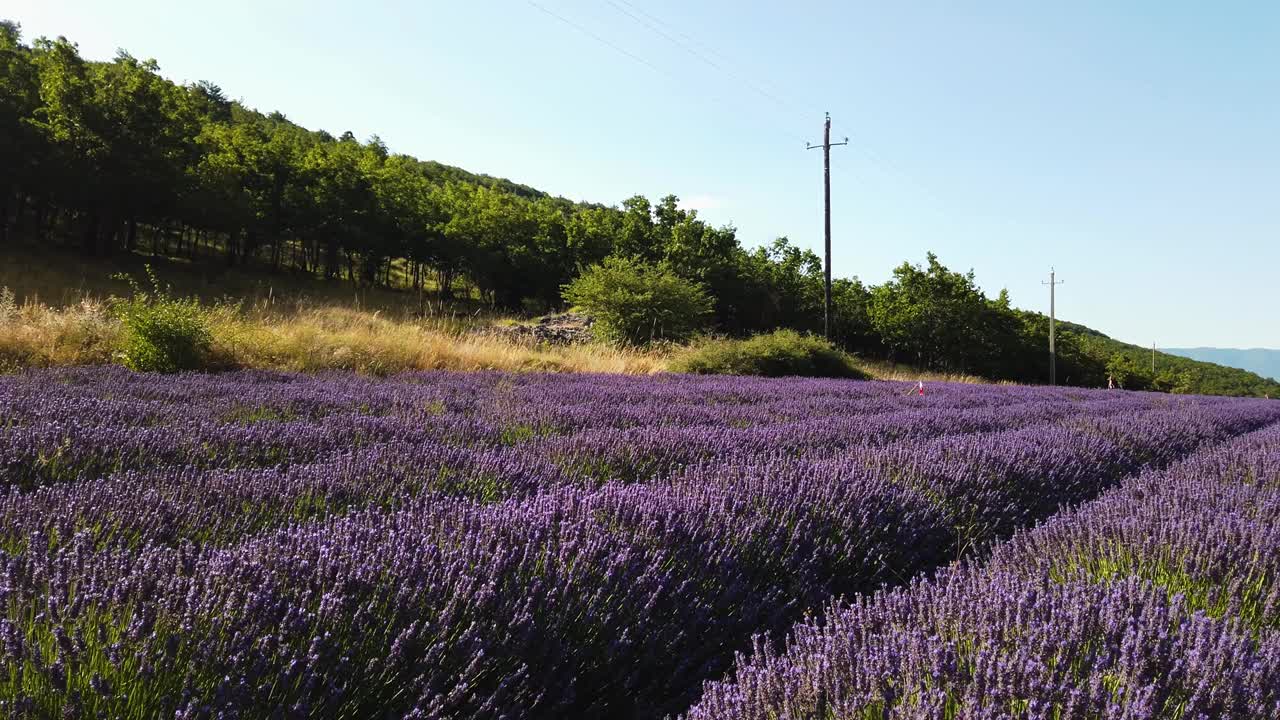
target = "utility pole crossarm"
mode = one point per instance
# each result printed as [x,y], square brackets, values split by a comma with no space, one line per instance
[826,193]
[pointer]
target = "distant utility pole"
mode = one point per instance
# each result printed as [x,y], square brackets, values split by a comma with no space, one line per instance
[1053,353]
[1153,358]
[826,195]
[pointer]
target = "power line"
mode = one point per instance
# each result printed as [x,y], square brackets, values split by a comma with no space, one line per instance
[600,39]
[653,23]
[682,40]
[657,25]
[667,30]
[638,58]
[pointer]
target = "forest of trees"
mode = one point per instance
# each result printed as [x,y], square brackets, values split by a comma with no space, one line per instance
[102,158]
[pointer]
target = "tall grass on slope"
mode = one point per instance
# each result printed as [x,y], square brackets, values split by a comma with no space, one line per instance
[301,337]
[35,335]
[335,338]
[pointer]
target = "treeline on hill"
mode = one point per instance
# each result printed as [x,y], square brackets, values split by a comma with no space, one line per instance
[110,157]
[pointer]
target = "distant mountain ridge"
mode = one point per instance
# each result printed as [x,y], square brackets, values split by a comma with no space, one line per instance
[1133,369]
[1263,361]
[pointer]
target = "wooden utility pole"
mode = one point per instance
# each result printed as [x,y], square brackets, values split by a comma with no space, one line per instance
[826,196]
[1053,351]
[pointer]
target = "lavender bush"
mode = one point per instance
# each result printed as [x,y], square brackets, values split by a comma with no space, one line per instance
[1158,600]
[487,545]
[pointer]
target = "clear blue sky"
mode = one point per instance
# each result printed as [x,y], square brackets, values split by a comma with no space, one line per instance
[1133,145]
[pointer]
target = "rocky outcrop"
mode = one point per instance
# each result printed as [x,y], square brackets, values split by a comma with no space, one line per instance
[561,329]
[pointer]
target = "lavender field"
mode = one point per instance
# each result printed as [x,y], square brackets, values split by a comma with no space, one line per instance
[448,545]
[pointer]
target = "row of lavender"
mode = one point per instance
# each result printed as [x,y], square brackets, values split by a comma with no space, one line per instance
[1160,599]
[68,425]
[978,483]
[533,546]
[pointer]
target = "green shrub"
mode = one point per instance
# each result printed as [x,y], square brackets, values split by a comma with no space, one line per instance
[161,333]
[635,303]
[779,353]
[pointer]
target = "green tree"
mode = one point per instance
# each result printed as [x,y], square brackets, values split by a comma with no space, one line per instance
[148,127]
[410,217]
[22,148]
[1128,373]
[499,236]
[67,120]
[591,233]
[637,237]
[340,215]
[258,165]
[777,285]
[635,303]
[931,316]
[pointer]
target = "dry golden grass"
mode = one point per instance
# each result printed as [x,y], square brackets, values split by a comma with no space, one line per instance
[56,316]
[34,335]
[305,338]
[880,370]
[336,338]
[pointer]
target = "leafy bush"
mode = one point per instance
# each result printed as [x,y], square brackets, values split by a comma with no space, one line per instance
[779,353]
[161,333]
[635,303]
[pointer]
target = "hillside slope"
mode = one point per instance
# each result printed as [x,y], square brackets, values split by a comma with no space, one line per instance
[1262,361]
[288,322]
[1173,372]
[124,166]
